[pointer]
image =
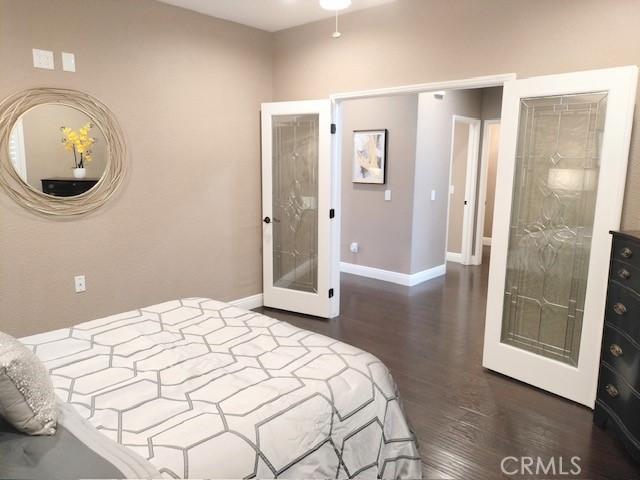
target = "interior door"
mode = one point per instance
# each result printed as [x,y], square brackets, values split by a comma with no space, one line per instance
[296,190]
[559,190]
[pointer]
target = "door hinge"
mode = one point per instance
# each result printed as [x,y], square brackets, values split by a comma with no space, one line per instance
[331,293]
[333,129]
[332,213]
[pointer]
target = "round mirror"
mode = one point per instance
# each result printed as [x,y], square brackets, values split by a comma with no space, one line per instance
[58,150]
[62,151]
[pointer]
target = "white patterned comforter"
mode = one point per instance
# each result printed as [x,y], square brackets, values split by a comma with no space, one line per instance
[206,390]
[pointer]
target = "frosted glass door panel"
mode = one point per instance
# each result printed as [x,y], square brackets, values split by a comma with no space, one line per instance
[295,202]
[552,215]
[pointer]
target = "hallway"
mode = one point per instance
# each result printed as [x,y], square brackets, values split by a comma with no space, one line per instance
[466,418]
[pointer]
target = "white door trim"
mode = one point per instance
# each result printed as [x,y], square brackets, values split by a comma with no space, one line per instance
[317,304]
[17,150]
[482,191]
[463,84]
[576,383]
[471,175]
[336,158]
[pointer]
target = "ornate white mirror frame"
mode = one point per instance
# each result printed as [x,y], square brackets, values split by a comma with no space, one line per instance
[14,106]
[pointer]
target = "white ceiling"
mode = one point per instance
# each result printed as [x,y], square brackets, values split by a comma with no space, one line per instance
[270,15]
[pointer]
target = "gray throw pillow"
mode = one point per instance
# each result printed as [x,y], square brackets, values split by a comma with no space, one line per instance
[27,399]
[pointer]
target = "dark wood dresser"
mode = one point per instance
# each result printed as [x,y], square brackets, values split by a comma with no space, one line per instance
[67,187]
[618,396]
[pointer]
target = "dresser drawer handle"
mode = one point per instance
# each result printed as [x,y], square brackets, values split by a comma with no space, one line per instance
[616,350]
[612,391]
[619,308]
[626,252]
[624,274]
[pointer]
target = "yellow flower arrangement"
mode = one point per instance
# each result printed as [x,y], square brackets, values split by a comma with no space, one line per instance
[79,142]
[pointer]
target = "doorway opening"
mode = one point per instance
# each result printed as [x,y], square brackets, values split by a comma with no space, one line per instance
[401,230]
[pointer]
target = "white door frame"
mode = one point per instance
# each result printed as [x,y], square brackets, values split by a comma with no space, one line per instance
[471,175]
[336,157]
[318,303]
[17,150]
[476,259]
[576,383]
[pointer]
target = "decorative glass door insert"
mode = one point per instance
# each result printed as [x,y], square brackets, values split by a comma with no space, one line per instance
[552,212]
[295,202]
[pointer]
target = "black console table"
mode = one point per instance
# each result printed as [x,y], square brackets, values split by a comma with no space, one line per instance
[67,187]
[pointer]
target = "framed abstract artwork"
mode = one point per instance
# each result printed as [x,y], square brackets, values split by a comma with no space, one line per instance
[369,156]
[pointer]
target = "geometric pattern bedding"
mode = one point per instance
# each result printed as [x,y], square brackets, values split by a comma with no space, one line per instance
[203,389]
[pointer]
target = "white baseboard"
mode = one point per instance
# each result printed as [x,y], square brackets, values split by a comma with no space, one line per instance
[454,257]
[406,279]
[486,241]
[249,303]
[424,275]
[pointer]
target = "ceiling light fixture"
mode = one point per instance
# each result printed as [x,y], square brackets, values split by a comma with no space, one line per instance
[335,5]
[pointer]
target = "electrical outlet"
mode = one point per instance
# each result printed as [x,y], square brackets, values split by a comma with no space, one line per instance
[43,59]
[81,284]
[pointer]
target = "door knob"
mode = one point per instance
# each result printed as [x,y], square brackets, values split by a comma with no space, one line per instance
[266,220]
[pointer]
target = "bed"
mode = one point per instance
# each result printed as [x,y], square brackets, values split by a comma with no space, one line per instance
[202,389]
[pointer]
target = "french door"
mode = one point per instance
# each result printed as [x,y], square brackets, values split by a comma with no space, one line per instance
[296,192]
[560,186]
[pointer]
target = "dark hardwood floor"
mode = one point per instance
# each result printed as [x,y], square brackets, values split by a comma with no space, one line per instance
[467,419]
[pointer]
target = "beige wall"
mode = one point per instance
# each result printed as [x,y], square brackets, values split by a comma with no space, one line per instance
[492,151]
[186,89]
[433,159]
[413,41]
[382,229]
[45,154]
[491,110]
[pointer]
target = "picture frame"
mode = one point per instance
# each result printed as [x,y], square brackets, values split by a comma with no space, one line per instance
[370,149]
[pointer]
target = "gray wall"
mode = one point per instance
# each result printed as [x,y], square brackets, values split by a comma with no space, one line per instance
[433,157]
[412,40]
[494,143]
[382,229]
[186,89]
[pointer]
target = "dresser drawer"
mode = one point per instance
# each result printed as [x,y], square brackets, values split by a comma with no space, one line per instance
[623,354]
[625,274]
[623,309]
[626,250]
[619,397]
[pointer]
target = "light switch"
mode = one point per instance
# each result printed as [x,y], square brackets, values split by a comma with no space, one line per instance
[80,283]
[68,62]
[451,189]
[43,59]
[433,195]
[387,195]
